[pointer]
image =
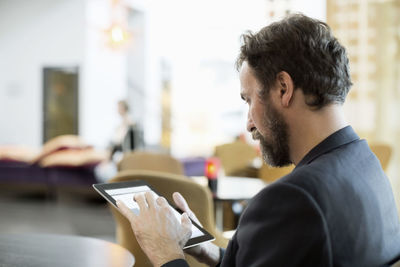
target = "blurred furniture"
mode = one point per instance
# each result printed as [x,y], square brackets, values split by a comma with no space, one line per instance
[396,264]
[238,188]
[383,152]
[236,158]
[231,190]
[48,250]
[18,153]
[198,197]
[150,161]
[65,163]
[18,177]
[270,174]
[193,166]
[68,151]
[23,178]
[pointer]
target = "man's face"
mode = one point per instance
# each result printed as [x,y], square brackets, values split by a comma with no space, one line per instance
[264,121]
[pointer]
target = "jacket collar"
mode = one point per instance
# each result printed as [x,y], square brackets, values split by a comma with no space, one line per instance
[339,138]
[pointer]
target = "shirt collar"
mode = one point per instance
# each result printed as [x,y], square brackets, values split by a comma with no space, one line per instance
[341,137]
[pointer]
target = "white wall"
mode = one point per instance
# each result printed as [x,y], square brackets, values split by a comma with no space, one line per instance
[34,34]
[40,33]
[103,77]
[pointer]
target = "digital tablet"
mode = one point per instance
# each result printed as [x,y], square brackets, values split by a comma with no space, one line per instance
[124,191]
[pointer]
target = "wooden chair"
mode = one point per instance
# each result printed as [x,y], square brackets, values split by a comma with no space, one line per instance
[150,161]
[198,197]
[396,264]
[270,174]
[236,157]
[383,152]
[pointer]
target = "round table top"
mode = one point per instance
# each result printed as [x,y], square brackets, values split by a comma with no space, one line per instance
[60,250]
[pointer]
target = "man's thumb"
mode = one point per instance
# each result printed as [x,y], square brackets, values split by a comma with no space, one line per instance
[186,223]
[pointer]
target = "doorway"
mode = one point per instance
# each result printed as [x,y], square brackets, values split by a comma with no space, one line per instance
[60,102]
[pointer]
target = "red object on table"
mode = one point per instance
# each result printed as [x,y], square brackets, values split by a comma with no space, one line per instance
[212,168]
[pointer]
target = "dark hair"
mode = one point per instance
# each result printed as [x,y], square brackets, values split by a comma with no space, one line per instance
[306,49]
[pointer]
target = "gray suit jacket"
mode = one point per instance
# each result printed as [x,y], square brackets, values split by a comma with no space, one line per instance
[335,209]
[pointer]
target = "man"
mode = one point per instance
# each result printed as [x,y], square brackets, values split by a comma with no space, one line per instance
[336,208]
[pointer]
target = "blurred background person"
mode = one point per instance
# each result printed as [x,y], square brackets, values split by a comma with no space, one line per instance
[123,137]
[122,141]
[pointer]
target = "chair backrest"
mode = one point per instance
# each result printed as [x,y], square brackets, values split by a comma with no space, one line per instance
[235,156]
[198,197]
[150,161]
[396,264]
[383,152]
[270,174]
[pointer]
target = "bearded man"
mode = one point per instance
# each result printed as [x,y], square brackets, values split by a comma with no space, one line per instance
[336,208]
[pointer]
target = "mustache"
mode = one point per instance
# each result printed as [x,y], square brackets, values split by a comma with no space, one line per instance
[256,135]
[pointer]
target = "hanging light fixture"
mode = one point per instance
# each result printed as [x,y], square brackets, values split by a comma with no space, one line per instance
[117,34]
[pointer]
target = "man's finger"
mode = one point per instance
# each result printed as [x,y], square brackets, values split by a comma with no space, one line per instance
[182,204]
[186,225]
[141,201]
[186,222]
[125,211]
[150,199]
[161,201]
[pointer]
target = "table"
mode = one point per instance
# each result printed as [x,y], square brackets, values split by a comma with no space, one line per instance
[238,188]
[231,188]
[45,250]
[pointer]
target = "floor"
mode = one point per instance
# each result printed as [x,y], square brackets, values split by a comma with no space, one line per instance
[66,215]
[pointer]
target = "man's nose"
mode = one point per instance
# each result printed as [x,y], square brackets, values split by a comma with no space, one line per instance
[250,123]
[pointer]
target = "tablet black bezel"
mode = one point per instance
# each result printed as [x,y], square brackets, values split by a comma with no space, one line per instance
[100,188]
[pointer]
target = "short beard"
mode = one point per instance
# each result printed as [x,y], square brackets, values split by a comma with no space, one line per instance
[276,151]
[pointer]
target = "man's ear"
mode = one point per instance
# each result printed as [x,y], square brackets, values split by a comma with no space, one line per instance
[286,88]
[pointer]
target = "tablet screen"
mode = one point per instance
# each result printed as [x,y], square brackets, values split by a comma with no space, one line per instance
[126,195]
[125,191]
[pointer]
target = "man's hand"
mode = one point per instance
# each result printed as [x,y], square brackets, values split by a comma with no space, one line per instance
[205,252]
[158,232]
